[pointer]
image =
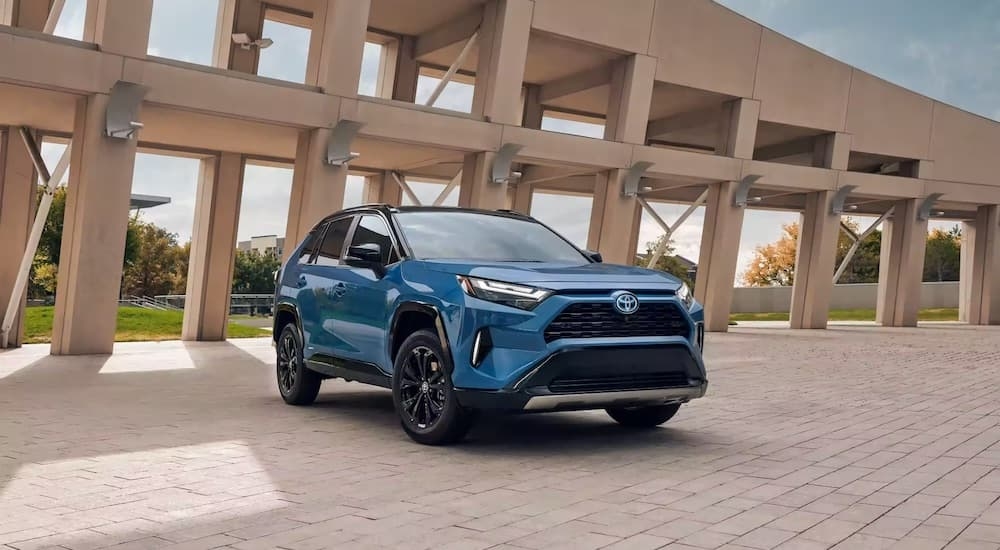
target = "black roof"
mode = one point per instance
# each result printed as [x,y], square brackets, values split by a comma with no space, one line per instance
[388,210]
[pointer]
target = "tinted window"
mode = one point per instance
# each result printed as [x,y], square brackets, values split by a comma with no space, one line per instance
[372,230]
[333,242]
[478,236]
[309,245]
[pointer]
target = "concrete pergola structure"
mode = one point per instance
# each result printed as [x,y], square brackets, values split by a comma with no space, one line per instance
[698,103]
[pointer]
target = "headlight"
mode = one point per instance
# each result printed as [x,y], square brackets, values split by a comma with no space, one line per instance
[684,293]
[521,297]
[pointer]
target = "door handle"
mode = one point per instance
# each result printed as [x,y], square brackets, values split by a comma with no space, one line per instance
[339,290]
[302,281]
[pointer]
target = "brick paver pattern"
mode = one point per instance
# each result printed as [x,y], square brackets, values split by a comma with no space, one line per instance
[854,437]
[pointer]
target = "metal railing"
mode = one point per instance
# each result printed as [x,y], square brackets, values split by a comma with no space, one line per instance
[248,304]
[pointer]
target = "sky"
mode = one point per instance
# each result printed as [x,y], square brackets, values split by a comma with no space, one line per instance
[946,50]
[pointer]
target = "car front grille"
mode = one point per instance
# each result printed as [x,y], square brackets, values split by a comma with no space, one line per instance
[600,320]
[618,382]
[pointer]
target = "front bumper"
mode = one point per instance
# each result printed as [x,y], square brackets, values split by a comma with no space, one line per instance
[599,377]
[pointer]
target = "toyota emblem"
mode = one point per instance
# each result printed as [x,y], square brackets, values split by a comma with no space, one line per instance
[625,302]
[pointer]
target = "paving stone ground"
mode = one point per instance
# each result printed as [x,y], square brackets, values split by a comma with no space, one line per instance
[854,437]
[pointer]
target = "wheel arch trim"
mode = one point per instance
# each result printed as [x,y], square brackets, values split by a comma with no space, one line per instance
[425,308]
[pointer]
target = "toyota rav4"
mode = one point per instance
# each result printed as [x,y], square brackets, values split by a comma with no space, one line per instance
[462,311]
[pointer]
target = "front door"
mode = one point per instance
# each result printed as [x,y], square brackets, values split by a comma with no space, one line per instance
[325,284]
[363,316]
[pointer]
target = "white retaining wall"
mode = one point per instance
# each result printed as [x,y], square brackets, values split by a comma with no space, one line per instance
[857,296]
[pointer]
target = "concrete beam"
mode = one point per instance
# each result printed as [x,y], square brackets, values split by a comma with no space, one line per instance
[578,82]
[799,146]
[503,51]
[684,121]
[457,30]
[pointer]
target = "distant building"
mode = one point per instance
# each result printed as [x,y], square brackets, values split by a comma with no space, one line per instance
[263,244]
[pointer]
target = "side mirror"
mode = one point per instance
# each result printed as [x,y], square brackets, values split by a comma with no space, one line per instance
[594,256]
[365,253]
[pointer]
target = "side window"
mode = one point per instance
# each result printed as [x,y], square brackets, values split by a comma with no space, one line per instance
[333,242]
[372,230]
[310,244]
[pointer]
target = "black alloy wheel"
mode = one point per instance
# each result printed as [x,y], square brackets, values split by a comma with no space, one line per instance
[297,384]
[422,388]
[423,395]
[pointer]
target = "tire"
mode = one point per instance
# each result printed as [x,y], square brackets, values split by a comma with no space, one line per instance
[297,383]
[423,394]
[643,417]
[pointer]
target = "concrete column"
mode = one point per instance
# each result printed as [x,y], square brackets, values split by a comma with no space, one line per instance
[317,188]
[521,202]
[968,252]
[614,220]
[236,16]
[213,248]
[720,248]
[738,128]
[982,303]
[901,267]
[533,111]
[832,151]
[476,189]
[629,100]
[25,14]
[17,212]
[342,45]
[404,85]
[119,26]
[815,262]
[94,228]
[381,188]
[503,48]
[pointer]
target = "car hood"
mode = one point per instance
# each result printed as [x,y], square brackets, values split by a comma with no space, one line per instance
[561,276]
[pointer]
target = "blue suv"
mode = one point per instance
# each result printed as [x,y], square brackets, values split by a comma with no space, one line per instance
[460,311]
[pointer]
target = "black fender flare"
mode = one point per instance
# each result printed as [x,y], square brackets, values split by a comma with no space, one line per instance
[427,309]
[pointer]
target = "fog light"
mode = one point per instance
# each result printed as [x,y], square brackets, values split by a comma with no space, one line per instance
[481,346]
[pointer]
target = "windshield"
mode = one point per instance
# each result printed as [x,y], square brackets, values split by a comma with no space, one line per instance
[440,234]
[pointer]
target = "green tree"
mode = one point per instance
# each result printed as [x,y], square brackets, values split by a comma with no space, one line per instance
[943,258]
[667,262]
[253,273]
[151,258]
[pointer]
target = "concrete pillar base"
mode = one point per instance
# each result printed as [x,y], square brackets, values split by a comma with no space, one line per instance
[815,263]
[982,300]
[94,228]
[213,248]
[901,268]
[17,212]
[720,246]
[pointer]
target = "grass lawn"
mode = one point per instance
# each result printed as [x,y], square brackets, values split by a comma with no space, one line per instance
[134,324]
[941,314]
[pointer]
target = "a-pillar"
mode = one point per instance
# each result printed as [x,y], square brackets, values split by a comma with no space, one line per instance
[97,199]
[723,226]
[317,188]
[503,48]
[213,248]
[382,188]
[614,219]
[477,190]
[981,277]
[819,231]
[17,211]
[901,266]
[338,46]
